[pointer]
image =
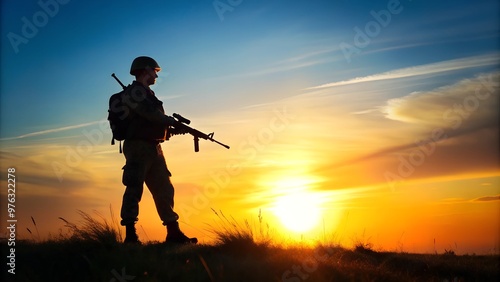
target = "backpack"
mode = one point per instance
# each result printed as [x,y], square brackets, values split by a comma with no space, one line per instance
[118,117]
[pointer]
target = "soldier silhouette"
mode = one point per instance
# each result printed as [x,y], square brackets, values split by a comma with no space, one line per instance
[145,162]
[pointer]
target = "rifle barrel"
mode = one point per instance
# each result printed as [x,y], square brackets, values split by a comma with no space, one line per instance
[223,145]
[198,134]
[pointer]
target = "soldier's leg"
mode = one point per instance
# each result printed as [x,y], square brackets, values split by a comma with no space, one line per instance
[133,179]
[134,173]
[158,182]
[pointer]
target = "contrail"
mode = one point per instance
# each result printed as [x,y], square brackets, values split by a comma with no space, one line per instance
[50,131]
[445,66]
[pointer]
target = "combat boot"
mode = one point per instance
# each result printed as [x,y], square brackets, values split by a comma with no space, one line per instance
[131,235]
[175,235]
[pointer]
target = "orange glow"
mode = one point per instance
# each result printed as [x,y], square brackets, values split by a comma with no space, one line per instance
[298,211]
[296,207]
[323,187]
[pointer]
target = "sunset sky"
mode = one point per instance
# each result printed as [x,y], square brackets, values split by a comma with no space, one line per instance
[348,120]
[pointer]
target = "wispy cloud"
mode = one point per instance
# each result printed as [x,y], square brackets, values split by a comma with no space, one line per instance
[284,67]
[54,130]
[299,61]
[438,107]
[488,199]
[468,144]
[444,66]
[171,97]
[308,55]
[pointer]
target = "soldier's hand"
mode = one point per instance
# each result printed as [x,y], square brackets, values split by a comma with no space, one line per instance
[171,121]
[177,131]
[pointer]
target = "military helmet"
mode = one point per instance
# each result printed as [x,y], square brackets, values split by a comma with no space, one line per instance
[143,62]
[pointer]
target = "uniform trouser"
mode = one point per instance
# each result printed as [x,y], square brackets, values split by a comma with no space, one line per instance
[145,163]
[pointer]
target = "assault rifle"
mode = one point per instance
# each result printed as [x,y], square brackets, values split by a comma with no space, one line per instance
[180,125]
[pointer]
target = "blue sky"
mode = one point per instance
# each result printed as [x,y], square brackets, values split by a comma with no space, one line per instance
[363,80]
[69,60]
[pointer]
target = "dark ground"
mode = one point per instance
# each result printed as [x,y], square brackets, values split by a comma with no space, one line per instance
[238,259]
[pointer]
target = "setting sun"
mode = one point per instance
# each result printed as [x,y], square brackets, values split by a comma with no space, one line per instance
[298,211]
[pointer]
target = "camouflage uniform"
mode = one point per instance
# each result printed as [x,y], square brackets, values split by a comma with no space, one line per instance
[144,157]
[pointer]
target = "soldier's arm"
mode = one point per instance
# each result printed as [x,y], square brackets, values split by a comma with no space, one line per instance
[139,105]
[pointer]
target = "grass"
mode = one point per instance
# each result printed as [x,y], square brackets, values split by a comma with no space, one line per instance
[92,251]
[94,230]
